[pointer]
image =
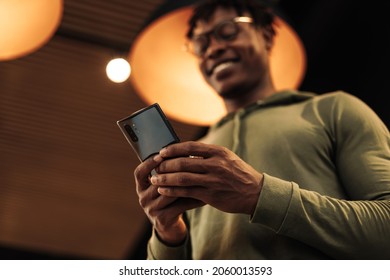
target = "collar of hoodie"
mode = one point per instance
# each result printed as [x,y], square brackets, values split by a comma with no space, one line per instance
[279,98]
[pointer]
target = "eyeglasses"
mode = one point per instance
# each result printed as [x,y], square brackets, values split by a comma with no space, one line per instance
[223,32]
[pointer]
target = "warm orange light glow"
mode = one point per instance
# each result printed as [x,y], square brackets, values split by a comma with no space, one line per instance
[164,73]
[26,25]
[118,70]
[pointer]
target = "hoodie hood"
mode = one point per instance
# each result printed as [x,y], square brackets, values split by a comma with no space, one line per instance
[278,98]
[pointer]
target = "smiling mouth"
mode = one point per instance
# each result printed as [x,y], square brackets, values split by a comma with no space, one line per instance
[222,66]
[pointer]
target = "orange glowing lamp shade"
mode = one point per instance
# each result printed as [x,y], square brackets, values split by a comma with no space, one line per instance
[26,25]
[164,73]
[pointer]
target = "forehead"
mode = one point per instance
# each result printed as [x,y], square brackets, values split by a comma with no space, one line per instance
[218,16]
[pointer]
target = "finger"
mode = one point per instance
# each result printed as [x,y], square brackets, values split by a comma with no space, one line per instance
[185,204]
[190,148]
[182,164]
[193,192]
[158,202]
[171,211]
[181,179]
[179,206]
[148,193]
[143,170]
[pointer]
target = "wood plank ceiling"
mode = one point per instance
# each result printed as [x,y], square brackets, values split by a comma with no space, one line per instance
[66,181]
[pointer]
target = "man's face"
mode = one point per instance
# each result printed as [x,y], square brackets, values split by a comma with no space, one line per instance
[236,66]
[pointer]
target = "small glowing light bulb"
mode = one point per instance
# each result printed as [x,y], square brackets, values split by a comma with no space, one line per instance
[118,70]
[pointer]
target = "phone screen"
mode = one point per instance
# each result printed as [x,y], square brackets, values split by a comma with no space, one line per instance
[148,131]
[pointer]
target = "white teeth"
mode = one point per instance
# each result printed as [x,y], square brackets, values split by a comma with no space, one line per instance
[223,66]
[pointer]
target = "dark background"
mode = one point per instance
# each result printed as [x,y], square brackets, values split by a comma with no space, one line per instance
[347,45]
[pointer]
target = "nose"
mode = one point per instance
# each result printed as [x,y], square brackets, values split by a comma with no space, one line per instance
[215,48]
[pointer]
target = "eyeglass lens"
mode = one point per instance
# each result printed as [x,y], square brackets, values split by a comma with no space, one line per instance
[225,31]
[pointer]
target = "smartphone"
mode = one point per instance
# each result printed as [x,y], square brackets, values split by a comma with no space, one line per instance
[148,131]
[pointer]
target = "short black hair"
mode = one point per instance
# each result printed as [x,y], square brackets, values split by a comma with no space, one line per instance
[262,14]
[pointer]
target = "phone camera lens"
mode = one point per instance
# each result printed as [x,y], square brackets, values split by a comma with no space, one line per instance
[131,133]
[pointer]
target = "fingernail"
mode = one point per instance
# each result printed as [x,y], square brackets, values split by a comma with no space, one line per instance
[157,158]
[163,152]
[161,190]
[153,179]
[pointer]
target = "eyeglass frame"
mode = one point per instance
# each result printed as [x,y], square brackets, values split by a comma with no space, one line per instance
[235,20]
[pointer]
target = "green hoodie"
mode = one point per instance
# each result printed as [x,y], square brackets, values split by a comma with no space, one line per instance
[326,192]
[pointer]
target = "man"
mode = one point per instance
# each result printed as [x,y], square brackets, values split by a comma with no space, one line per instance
[285,175]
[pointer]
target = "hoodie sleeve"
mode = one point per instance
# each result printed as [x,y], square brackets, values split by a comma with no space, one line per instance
[159,251]
[353,228]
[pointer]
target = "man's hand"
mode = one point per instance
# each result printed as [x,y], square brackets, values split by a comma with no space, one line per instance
[208,173]
[165,213]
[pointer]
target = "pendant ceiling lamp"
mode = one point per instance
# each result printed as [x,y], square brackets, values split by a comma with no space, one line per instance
[26,25]
[164,73]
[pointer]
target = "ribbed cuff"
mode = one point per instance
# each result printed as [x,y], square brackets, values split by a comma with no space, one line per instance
[273,203]
[159,251]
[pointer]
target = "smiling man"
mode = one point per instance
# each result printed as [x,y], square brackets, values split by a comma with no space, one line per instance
[244,66]
[284,175]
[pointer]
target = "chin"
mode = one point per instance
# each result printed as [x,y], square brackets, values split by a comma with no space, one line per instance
[231,92]
[230,88]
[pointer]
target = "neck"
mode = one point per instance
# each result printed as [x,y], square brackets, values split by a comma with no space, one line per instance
[248,97]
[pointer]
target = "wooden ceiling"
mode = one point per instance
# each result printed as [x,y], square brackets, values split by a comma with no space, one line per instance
[66,171]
